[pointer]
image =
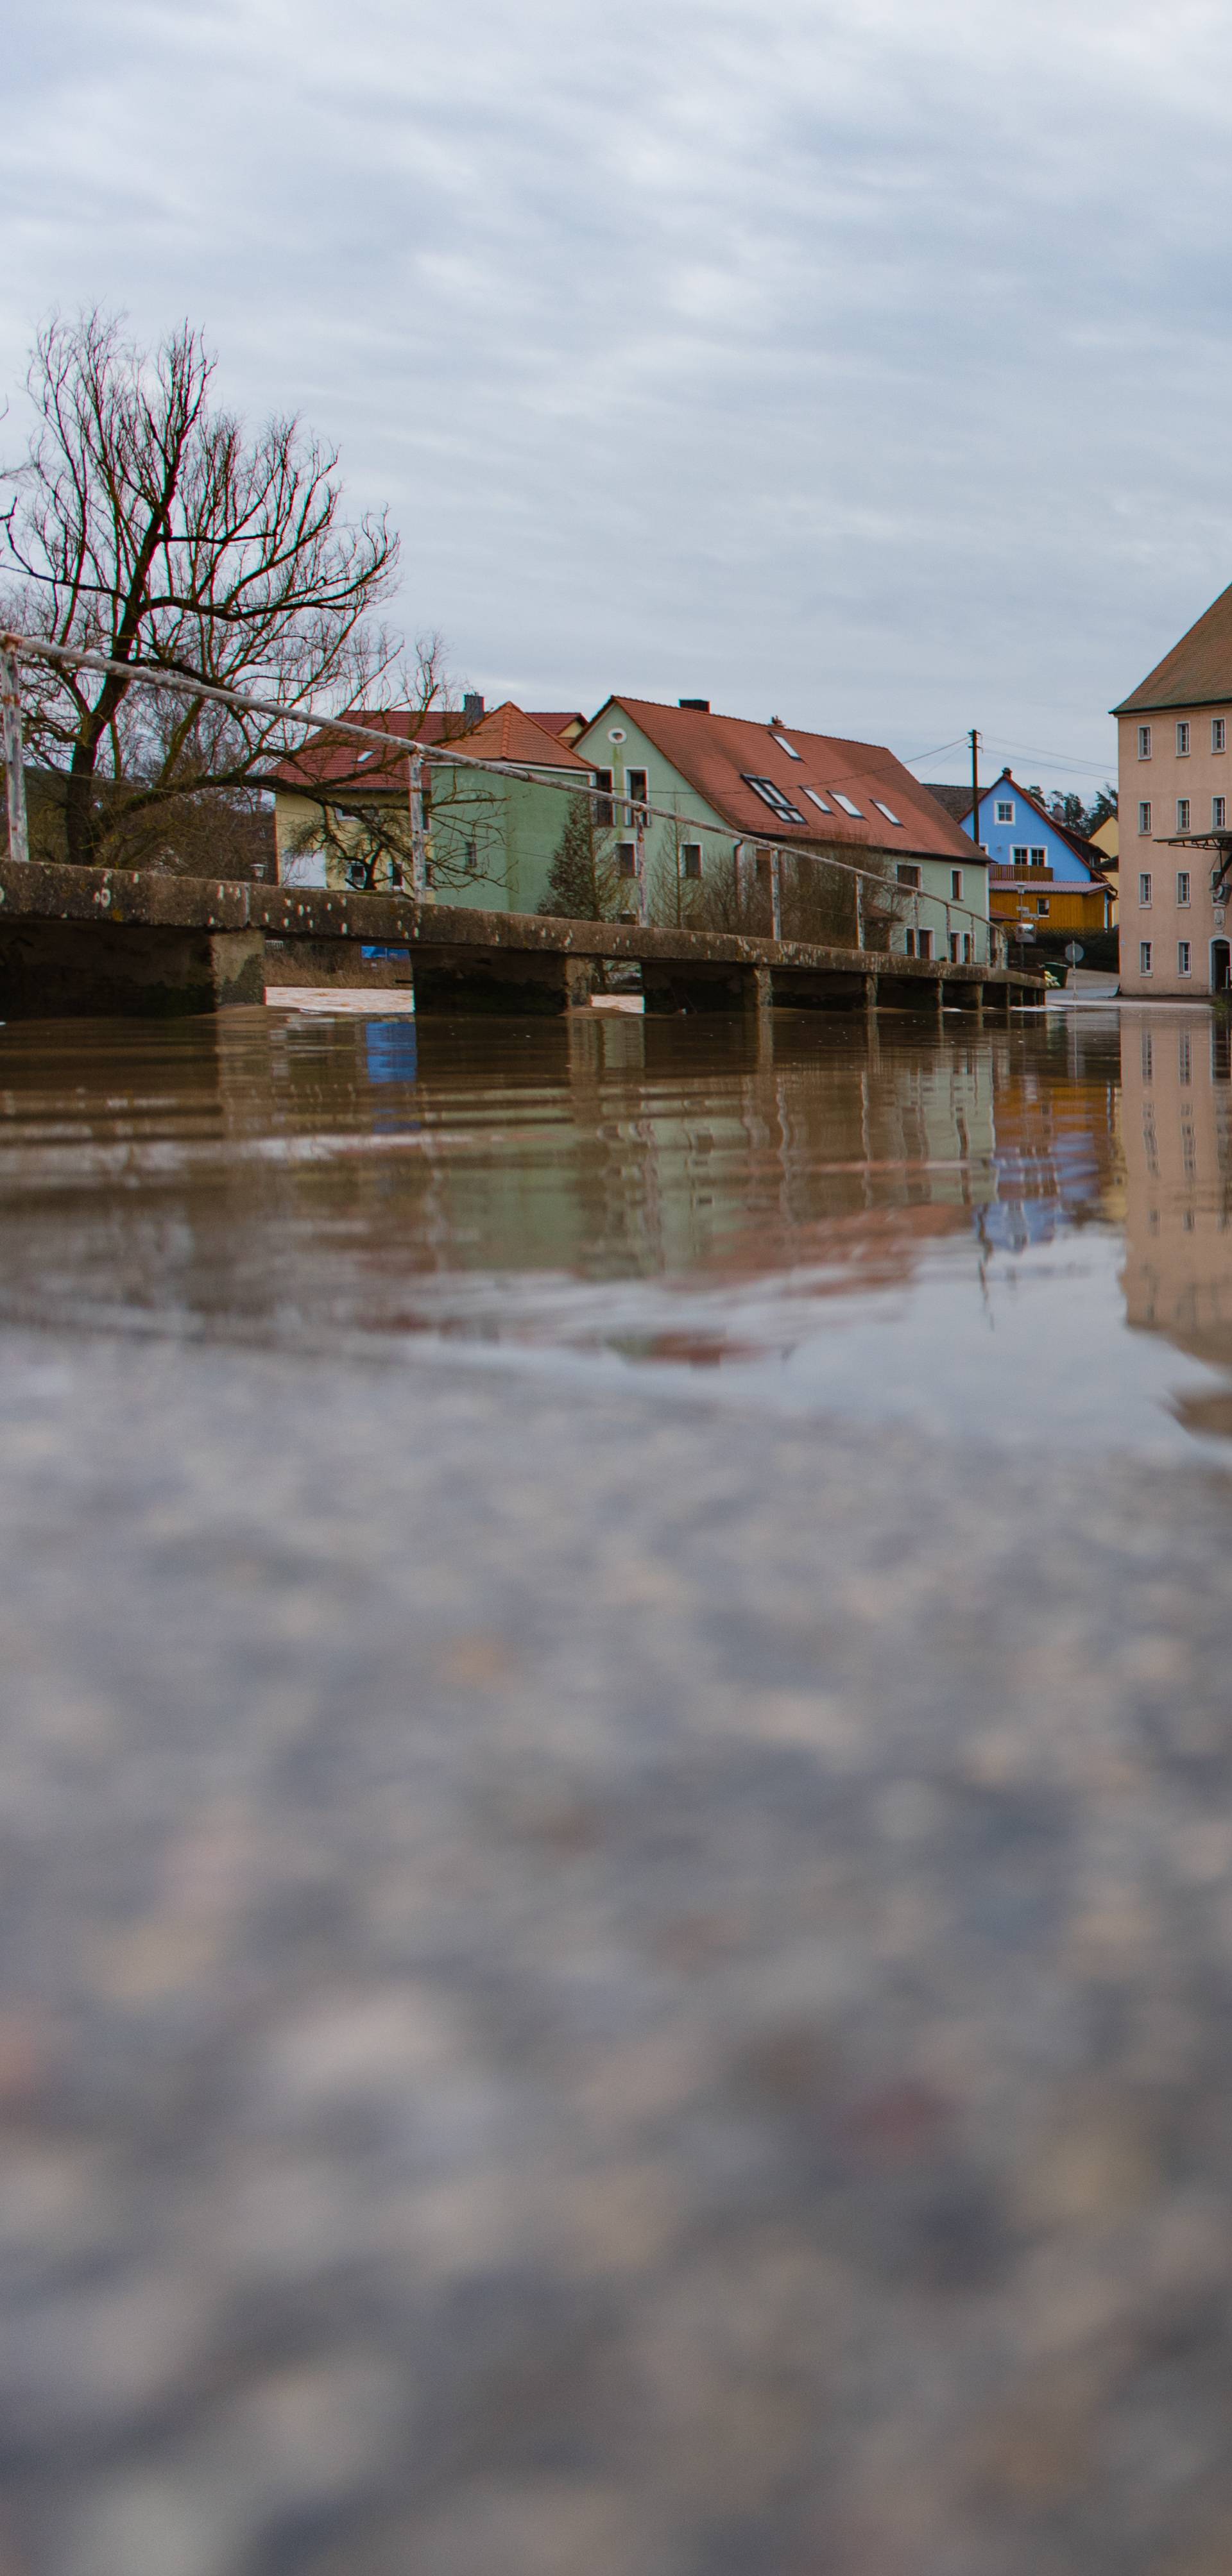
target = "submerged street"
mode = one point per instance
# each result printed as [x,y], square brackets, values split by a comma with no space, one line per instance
[615,1845]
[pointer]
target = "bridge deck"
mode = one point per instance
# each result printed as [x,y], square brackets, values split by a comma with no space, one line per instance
[164,918]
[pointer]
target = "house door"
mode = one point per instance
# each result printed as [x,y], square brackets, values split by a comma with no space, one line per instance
[1221,966]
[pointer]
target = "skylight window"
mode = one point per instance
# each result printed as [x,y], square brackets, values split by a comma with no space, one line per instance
[888,811]
[819,800]
[847,806]
[366,756]
[785,745]
[773,797]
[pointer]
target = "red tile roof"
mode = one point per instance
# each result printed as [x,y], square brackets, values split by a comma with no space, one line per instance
[505,733]
[559,720]
[1197,672]
[719,754]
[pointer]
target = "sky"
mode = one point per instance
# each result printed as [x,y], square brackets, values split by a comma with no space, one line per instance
[864,365]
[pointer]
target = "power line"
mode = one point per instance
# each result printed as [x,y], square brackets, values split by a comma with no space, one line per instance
[1059,760]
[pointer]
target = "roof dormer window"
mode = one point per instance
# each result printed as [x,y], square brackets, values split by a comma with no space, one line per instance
[785,745]
[847,806]
[889,813]
[819,801]
[774,797]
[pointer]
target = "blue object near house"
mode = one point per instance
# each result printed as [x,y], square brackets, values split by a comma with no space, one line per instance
[401,955]
[392,1048]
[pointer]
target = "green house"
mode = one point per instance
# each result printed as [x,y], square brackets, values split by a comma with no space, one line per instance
[697,803]
[342,814]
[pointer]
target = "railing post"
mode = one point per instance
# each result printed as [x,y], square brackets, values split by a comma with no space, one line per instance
[419,838]
[14,758]
[639,846]
[859,911]
[776,896]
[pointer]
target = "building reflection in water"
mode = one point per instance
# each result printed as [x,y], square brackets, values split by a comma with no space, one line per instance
[1176,1077]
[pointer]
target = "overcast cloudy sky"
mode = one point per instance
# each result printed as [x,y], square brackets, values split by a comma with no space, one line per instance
[867,365]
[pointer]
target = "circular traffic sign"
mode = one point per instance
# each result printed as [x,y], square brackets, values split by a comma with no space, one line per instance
[1074,954]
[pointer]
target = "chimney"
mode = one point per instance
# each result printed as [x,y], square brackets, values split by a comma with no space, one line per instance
[472,710]
[700,706]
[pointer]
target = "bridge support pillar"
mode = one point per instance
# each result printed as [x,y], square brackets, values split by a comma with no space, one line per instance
[488,982]
[684,986]
[757,991]
[54,970]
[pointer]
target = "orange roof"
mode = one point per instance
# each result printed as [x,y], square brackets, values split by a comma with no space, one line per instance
[718,755]
[1197,672]
[505,733]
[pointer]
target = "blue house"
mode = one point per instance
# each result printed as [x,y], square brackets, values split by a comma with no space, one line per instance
[1038,871]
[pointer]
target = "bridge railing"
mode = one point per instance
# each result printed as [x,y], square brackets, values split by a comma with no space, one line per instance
[421,757]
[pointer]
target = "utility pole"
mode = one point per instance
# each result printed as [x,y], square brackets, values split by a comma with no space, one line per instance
[974,740]
[14,760]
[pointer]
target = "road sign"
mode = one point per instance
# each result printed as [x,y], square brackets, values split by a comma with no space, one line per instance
[1074,954]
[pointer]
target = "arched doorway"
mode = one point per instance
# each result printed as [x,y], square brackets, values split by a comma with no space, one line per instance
[1221,966]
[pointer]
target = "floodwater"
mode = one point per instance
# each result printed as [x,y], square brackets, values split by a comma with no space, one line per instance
[1015,1233]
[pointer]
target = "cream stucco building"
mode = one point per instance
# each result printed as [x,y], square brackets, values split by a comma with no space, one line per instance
[1176,818]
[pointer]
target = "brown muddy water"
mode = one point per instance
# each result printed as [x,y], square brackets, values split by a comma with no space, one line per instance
[1017,1232]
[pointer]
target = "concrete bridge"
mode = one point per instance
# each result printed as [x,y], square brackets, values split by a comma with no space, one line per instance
[88,941]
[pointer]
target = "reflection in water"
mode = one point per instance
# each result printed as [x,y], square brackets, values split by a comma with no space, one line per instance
[1176,1076]
[908,1220]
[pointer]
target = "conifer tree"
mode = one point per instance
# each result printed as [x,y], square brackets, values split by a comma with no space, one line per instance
[582,878]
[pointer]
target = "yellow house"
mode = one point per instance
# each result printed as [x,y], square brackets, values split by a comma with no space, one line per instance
[1108,839]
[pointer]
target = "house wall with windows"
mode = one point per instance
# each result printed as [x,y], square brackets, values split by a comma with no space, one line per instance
[1174,779]
[1175,732]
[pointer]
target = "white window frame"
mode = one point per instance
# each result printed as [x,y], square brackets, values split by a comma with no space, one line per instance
[1038,854]
[1020,855]
[1182,813]
[1184,953]
[889,813]
[818,800]
[785,745]
[848,804]
[1182,888]
[1043,905]
[1144,957]
[1144,892]
[636,804]
[956,885]
[1182,738]
[1219,733]
[1219,808]
[1144,742]
[1005,809]
[691,850]
[1144,819]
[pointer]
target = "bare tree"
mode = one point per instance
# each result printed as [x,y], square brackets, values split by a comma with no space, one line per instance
[147,524]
